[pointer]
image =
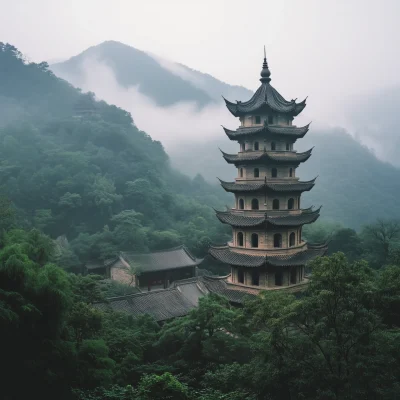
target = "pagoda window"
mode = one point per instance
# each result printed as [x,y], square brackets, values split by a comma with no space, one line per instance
[240,239]
[242,146]
[287,146]
[255,277]
[293,276]
[241,204]
[290,172]
[240,276]
[254,204]
[298,201]
[274,173]
[277,240]
[270,119]
[275,204]
[256,146]
[290,204]
[241,172]
[292,239]
[256,172]
[258,119]
[273,146]
[278,278]
[254,240]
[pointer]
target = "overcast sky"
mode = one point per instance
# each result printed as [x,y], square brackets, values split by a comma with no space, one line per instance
[313,46]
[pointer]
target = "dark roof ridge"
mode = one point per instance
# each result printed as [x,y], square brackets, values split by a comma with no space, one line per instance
[132,295]
[155,251]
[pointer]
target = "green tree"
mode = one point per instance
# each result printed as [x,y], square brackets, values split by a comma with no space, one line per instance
[162,387]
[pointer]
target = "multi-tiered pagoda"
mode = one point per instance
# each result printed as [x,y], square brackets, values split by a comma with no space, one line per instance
[267,250]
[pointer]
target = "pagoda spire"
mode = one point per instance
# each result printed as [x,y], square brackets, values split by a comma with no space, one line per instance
[265,72]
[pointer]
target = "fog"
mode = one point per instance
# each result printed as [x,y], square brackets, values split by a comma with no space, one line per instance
[330,51]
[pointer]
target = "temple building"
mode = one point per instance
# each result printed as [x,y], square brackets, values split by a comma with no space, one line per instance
[267,250]
[148,271]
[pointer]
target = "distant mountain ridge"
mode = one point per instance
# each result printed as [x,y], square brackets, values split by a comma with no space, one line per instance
[154,78]
[353,186]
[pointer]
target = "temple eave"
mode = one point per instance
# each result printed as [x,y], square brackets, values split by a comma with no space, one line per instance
[227,256]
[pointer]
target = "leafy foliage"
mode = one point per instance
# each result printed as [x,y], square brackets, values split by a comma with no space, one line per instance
[94,178]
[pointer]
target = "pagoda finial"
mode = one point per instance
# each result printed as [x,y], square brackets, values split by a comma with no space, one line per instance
[265,73]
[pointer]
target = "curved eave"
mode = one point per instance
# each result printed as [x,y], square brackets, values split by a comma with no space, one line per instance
[227,256]
[268,156]
[232,107]
[292,132]
[242,221]
[234,187]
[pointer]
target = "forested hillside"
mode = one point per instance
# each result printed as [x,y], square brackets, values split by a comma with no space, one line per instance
[97,178]
[353,186]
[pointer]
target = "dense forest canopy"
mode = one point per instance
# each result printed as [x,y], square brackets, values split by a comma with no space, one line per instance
[96,178]
[107,186]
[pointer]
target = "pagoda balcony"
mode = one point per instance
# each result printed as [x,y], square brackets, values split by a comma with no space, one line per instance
[269,213]
[269,180]
[259,251]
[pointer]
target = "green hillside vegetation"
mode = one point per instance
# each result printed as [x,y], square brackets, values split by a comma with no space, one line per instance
[339,341]
[98,180]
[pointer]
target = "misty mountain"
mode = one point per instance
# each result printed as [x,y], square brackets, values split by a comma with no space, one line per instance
[79,167]
[164,82]
[353,186]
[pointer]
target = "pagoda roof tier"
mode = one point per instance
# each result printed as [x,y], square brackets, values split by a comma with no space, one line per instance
[266,98]
[228,256]
[296,186]
[240,220]
[290,132]
[256,157]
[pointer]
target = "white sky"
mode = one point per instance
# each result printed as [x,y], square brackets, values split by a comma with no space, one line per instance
[338,43]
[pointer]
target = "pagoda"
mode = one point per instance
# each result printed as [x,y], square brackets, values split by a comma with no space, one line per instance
[267,250]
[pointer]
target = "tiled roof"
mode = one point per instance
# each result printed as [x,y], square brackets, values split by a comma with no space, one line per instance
[295,186]
[177,257]
[268,130]
[265,98]
[243,220]
[227,256]
[176,301]
[267,157]
[162,304]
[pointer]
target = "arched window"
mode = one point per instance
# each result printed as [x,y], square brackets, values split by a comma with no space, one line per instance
[290,204]
[240,239]
[277,240]
[256,146]
[254,240]
[240,276]
[275,204]
[287,146]
[274,172]
[254,204]
[255,277]
[291,172]
[241,172]
[273,146]
[278,278]
[241,204]
[256,172]
[292,239]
